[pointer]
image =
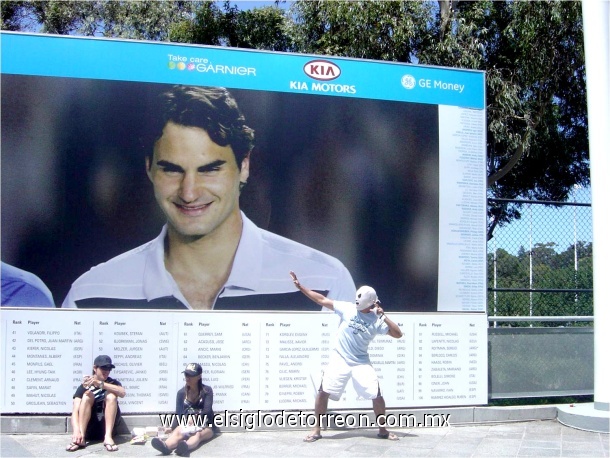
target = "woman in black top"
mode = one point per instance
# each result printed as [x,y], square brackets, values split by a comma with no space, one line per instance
[194,415]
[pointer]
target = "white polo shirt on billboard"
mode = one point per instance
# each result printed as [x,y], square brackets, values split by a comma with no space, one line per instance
[259,278]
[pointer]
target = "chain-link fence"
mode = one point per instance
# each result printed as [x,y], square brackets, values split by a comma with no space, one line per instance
[542,264]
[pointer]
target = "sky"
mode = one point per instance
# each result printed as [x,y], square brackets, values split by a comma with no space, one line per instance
[245,5]
[562,225]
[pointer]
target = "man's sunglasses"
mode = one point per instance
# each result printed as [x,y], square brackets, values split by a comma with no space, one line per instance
[106,368]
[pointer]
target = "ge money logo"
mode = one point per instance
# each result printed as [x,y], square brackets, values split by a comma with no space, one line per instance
[408,82]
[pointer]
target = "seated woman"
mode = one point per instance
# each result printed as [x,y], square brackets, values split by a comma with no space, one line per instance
[194,414]
[95,407]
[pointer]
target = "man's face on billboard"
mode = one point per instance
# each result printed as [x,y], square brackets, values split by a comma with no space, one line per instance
[196,182]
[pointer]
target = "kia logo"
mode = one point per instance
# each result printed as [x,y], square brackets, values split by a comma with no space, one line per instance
[322,70]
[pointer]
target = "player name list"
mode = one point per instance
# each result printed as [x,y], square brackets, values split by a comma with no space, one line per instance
[462,210]
[253,360]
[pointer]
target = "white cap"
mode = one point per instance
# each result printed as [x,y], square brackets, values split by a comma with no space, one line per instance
[365,297]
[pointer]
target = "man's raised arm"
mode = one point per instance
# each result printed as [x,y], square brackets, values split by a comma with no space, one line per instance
[316,297]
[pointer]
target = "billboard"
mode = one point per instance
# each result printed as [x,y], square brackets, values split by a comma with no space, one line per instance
[158,251]
[376,170]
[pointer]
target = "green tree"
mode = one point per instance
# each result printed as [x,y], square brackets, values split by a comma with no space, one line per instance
[139,20]
[551,274]
[369,30]
[533,55]
[258,28]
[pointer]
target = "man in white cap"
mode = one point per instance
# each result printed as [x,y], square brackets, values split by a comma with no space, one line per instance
[360,323]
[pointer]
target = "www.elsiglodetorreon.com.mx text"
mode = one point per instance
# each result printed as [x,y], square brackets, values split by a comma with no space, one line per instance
[257,419]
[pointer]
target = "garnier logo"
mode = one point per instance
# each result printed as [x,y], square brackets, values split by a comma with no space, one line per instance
[322,70]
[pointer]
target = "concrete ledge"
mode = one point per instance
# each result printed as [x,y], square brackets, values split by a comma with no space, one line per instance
[33,424]
[127,423]
[585,417]
[403,418]
[514,413]
[453,415]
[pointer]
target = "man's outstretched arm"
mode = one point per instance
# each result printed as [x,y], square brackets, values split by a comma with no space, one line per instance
[316,297]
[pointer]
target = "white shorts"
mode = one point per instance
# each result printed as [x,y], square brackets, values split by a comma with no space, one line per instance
[338,372]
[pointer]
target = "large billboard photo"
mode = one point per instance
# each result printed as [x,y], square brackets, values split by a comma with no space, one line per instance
[117,156]
[354,180]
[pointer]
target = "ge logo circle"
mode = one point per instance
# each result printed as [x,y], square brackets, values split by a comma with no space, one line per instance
[408,82]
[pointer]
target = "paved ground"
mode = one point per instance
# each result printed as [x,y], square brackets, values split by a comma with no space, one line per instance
[533,438]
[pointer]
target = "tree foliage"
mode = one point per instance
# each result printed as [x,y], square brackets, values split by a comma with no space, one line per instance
[532,53]
[369,30]
[137,20]
[258,28]
[552,283]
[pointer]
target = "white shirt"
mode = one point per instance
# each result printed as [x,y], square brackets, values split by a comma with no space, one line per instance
[356,331]
[259,278]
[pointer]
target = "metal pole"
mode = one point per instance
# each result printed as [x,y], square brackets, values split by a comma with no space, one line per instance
[531,267]
[495,283]
[575,247]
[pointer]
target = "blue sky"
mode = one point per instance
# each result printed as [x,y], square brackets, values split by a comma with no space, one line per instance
[244,5]
[544,224]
